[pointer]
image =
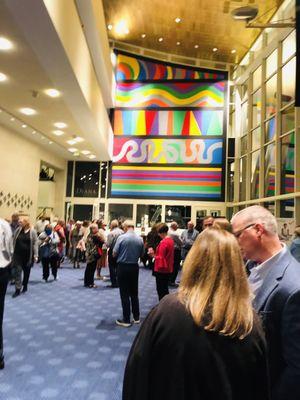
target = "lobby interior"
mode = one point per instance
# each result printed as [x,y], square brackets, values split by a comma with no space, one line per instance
[144,110]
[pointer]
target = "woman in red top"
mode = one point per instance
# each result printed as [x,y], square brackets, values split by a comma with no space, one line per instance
[164,260]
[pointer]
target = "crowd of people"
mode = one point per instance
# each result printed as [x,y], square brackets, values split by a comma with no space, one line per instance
[233,320]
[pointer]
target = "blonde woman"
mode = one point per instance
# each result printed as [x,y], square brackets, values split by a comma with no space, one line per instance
[204,342]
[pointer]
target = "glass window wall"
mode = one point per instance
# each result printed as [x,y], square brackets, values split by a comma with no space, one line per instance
[148,215]
[288,82]
[271,90]
[255,162]
[288,164]
[270,170]
[256,109]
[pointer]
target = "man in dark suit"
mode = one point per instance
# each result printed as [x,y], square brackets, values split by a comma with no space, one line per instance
[275,282]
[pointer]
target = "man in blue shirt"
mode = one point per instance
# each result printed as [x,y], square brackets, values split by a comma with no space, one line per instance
[128,249]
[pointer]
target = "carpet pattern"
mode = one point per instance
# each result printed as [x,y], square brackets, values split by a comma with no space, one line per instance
[61,340]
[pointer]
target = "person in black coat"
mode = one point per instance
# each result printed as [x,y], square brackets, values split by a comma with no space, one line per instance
[206,342]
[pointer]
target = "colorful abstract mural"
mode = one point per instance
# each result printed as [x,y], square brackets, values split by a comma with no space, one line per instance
[170,94]
[169,131]
[166,182]
[168,123]
[132,68]
[168,151]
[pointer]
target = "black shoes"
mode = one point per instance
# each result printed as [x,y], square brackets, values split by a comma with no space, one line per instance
[24,290]
[16,294]
[2,364]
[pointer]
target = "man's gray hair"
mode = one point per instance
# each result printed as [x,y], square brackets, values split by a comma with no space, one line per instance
[258,214]
[128,223]
[114,223]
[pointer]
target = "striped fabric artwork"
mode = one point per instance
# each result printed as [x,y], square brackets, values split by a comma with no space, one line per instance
[166,182]
[170,94]
[168,151]
[131,68]
[168,123]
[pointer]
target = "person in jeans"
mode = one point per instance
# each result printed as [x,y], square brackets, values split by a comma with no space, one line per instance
[164,261]
[6,251]
[128,249]
[112,237]
[48,252]
[25,253]
[93,248]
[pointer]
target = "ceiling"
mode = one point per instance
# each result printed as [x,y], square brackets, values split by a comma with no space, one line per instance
[27,80]
[206,24]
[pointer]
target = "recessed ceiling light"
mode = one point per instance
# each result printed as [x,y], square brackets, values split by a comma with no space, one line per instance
[71,142]
[12,119]
[92,156]
[160,39]
[178,43]
[3,77]
[233,51]
[109,27]
[72,150]
[85,152]
[121,28]
[5,44]
[215,49]
[27,111]
[60,125]
[177,20]
[24,126]
[196,46]
[79,139]
[33,132]
[50,142]
[143,35]
[52,92]
[58,132]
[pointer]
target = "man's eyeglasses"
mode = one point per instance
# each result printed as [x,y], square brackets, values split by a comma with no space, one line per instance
[238,233]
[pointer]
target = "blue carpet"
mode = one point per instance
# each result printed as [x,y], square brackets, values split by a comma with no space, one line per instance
[61,341]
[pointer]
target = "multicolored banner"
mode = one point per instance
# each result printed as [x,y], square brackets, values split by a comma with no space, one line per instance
[159,182]
[132,68]
[168,151]
[170,94]
[168,123]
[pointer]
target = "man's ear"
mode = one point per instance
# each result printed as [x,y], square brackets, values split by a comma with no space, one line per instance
[260,229]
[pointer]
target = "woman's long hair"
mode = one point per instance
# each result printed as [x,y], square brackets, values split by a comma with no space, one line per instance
[214,285]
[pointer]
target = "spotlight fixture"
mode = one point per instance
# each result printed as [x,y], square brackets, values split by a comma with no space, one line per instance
[3,77]
[215,49]
[177,20]
[85,152]
[12,119]
[178,43]
[72,150]
[60,125]
[33,132]
[24,126]
[92,156]
[109,27]
[52,92]
[27,111]
[160,39]
[196,46]
[5,44]
[143,35]
[233,51]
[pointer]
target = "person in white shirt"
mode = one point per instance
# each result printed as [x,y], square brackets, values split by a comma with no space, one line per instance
[6,252]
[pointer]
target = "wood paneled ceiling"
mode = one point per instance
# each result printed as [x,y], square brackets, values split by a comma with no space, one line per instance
[204,25]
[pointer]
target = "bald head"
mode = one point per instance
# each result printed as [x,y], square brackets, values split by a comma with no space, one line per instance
[256,214]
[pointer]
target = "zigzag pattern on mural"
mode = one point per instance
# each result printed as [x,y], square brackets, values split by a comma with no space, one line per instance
[171,122]
[168,151]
